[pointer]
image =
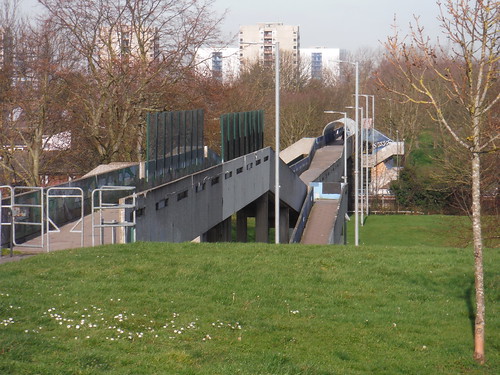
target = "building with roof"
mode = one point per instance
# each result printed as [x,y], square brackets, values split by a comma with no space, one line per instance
[219,63]
[257,43]
[322,62]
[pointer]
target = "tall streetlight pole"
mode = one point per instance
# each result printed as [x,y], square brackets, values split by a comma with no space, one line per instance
[358,144]
[366,147]
[356,165]
[356,157]
[345,139]
[277,146]
[373,141]
[276,136]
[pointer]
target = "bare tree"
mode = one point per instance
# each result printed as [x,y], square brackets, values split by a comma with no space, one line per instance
[35,107]
[132,54]
[465,75]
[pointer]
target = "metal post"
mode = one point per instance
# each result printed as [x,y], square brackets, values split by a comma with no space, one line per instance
[373,135]
[11,234]
[356,170]
[366,149]
[366,157]
[277,139]
[397,152]
[277,136]
[356,167]
[361,166]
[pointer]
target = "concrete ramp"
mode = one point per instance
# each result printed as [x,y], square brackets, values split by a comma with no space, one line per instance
[324,161]
[299,149]
[66,238]
[321,222]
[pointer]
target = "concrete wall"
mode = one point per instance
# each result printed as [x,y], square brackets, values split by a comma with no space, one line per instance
[338,235]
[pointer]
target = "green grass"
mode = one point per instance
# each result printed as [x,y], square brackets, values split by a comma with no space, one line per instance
[245,309]
[426,152]
[412,230]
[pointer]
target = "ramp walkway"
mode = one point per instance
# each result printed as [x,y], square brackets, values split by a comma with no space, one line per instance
[66,239]
[323,215]
[323,159]
[320,223]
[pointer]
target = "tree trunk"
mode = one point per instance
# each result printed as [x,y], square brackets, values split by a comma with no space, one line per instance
[478,260]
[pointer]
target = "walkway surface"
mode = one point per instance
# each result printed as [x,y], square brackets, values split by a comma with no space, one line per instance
[323,159]
[320,222]
[322,218]
[65,239]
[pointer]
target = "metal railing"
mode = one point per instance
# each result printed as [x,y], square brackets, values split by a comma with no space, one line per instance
[64,193]
[6,213]
[102,206]
[28,213]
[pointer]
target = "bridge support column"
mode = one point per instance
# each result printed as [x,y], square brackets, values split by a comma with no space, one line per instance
[220,233]
[262,219]
[284,224]
[241,225]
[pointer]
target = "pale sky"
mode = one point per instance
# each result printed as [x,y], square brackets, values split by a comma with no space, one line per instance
[348,24]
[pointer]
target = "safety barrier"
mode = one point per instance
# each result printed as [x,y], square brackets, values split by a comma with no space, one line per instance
[64,193]
[103,205]
[6,216]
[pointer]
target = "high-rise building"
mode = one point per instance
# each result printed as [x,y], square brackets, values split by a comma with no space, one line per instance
[6,47]
[321,62]
[220,63]
[123,42]
[258,42]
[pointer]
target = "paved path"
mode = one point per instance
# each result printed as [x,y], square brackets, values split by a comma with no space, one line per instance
[320,222]
[65,239]
[323,159]
[324,212]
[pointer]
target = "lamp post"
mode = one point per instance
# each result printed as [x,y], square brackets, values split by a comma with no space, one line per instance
[373,141]
[366,147]
[277,138]
[277,146]
[360,167]
[345,138]
[356,157]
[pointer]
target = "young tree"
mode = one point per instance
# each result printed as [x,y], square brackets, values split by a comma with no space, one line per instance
[464,74]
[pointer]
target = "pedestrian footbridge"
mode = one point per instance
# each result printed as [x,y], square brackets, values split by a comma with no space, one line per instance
[208,200]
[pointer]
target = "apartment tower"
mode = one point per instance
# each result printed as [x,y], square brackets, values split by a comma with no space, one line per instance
[257,42]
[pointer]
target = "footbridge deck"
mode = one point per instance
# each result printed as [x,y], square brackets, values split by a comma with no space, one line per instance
[322,218]
[201,205]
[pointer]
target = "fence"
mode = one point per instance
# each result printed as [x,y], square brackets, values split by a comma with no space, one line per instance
[174,142]
[242,133]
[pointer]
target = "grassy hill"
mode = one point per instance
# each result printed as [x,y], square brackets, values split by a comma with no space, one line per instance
[245,309]
[413,230]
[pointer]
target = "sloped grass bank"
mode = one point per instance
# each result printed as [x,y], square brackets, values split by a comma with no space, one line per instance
[245,309]
[412,230]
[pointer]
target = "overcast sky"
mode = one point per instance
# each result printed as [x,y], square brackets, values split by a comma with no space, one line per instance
[349,24]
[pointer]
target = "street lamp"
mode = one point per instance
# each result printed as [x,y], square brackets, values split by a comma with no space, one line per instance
[366,147]
[373,133]
[277,139]
[277,146]
[358,144]
[356,161]
[345,138]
